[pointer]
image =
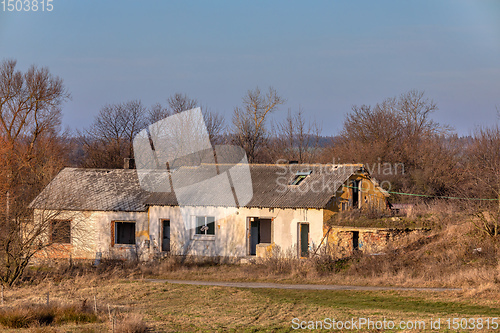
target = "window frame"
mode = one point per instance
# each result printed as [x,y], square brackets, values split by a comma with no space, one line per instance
[115,233]
[205,235]
[52,229]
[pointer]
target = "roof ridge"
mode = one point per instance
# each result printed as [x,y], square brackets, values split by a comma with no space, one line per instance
[96,169]
[282,164]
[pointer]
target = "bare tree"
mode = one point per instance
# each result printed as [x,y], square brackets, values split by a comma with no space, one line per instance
[30,118]
[156,113]
[483,178]
[400,131]
[214,121]
[295,139]
[249,121]
[215,125]
[179,102]
[110,137]
[377,129]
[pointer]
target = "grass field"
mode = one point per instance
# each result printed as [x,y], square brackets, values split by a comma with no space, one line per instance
[183,308]
[126,302]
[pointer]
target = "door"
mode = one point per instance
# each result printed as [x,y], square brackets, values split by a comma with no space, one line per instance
[254,237]
[304,240]
[165,242]
[260,232]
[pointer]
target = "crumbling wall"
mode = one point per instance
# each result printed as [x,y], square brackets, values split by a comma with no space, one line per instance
[343,242]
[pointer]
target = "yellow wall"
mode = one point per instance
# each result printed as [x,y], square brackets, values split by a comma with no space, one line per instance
[370,196]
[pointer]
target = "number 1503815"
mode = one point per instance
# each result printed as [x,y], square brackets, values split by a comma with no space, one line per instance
[27,5]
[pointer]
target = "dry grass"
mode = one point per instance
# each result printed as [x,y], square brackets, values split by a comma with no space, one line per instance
[27,315]
[131,323]
[77,303]
[183,308]
[455,254]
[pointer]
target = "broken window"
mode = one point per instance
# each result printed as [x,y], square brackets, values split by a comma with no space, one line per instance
[299,177]
[61,231]
[205,225]
[124,232]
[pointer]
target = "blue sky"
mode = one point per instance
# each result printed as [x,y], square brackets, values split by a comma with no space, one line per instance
[324,56]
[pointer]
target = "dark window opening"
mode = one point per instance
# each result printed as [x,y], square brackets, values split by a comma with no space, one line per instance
[124,232]
[61,231]
[355,193]
[205,225]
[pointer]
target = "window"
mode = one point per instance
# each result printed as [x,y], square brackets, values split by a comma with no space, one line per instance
[124,232]
[299,177]
[205,225]
[61,231]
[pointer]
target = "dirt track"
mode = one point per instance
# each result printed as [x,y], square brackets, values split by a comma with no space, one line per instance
[295,286]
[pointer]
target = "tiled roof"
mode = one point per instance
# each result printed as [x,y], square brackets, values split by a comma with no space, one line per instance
[119,190]
[93,190]
[270,184]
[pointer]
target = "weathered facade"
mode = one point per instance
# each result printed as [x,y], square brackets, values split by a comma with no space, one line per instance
[346,241]
[96,203]
[109,215]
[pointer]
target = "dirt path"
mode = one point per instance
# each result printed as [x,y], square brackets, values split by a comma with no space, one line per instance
[295,286]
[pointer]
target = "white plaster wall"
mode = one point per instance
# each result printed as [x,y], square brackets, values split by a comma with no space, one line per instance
[91,233]
[229,239]
[231,229]
[102,221]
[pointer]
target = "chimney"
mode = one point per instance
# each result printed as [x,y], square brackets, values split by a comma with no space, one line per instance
[128,163]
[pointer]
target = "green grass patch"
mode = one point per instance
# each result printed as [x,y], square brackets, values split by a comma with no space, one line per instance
[356,300]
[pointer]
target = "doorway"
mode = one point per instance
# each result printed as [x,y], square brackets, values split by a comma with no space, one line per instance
[355,184]
[355,240]
[259,232]
[165,240]
[304,240]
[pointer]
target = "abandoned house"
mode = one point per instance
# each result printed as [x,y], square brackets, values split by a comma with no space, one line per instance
[107,213]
